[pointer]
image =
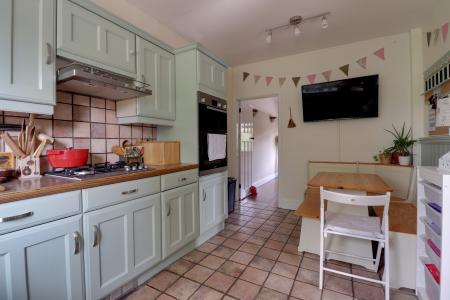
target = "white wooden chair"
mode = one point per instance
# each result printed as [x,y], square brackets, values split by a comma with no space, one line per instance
[352,226]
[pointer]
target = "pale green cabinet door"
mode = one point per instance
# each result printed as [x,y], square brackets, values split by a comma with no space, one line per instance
[180,216]
[219,78]
[156,67]
[213,202]
[205,70]
[27,50]
[86,37]
[43,262]
[122,241]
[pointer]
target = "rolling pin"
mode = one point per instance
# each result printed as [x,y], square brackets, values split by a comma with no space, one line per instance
[11,144]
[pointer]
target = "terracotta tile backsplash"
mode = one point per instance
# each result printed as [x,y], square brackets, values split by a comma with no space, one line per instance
[84,122]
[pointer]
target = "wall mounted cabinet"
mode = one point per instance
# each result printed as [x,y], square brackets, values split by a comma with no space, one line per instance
[211,76]
[27,55]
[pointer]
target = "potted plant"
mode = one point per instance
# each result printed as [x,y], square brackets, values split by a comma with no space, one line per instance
[384,157]
[402,145]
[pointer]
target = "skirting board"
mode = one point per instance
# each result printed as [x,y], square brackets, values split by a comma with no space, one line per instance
[265,180]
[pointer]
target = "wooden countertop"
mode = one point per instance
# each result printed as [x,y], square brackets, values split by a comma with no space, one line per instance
[47,185]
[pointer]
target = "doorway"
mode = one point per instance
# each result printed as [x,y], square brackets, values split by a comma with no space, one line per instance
[258,143]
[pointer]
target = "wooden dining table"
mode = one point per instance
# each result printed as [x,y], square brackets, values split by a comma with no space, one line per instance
[369,183]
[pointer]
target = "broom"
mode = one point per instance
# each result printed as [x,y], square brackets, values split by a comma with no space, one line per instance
[291,123]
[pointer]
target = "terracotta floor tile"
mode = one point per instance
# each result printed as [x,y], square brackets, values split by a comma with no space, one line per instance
[254,275]
[285,270]
[368,274]
[250,248]
[232,268]
[268,294]
[144,293]
[311,255]
[367,292]
[220,281]
[331,295]
[212,262]
[310,264]
[272,244]
[279,283]
[206,293]
[338,284]
[165,297]
[269,253]
[257,240]
[291,249]
[262,263]
[223,252]
[182,289]
[291,259]
[180,267]
[262,233]
[279,237]
[308,276]
[244,290]
[241,236]
[247,230]
[242,257]
[226,233]
[217,240]
[232,243]
[195,256]
[199,273]
[305,291]
[162,280]
[207,247]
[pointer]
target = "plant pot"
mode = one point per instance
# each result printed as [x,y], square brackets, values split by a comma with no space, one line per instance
[394,157]
[384,159]
[404,160]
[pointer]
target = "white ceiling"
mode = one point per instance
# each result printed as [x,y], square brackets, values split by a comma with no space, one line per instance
[268,105]
[235,29]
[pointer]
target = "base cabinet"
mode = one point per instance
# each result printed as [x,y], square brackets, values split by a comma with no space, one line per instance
[179,218]
[122,241]
[213,201]
[42,262]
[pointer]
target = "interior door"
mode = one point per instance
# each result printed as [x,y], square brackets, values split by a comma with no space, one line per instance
[246,149]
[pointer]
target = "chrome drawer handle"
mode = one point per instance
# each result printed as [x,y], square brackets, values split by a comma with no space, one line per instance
[16,217]
[77,238]
[96,236]
[169,210]
[204,196]
[49,54]
[182,179]
[129,192]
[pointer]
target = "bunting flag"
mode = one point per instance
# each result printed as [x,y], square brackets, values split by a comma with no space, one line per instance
[429,38]
[257,77]
[311,78]
[362,62]
[444,30]
[281,81]
[245,75]
[327,75]
[296,80]
[268,80]
[345,69]
[380,53]
[437,31]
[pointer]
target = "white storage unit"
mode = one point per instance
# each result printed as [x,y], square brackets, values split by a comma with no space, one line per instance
[433,229]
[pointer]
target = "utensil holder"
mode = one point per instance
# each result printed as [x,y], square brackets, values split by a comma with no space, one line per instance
[29,167]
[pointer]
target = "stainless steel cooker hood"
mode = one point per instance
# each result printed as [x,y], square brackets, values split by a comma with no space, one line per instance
[88,80]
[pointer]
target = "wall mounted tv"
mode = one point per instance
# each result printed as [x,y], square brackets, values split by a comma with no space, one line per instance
[342,99]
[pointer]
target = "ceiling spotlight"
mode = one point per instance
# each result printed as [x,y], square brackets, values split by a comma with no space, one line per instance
[324,22]
[297,30]
[269,37]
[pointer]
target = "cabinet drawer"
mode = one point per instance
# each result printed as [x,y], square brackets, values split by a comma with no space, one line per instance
[27,213]
[174,180]
[102,196]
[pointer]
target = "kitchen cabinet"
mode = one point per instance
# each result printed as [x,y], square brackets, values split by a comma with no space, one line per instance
[122,241]
[43,262]
[88,38]
[213,200]
[156,67]
[180,223]
[211,76]
[27,55]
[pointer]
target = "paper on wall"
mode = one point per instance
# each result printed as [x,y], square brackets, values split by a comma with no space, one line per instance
[443,112]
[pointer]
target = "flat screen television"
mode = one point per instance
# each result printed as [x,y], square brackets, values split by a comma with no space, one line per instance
[341,99]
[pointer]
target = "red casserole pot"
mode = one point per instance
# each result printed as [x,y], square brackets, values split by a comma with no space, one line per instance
[68,158]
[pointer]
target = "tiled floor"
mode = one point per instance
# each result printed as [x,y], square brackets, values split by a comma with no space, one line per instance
[256,257]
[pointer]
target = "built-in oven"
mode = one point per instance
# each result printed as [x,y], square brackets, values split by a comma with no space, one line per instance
[212,112]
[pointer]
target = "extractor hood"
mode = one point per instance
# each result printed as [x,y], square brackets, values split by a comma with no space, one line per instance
[88,80]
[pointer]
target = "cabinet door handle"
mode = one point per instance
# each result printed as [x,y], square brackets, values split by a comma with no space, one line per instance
[204,196]
[143,78]
[16,217]
[96,236]
[49,53]
[77,238]
[169,210]
[182,179]
[129,192]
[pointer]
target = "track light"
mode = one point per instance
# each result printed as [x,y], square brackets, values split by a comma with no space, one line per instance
[269,37]
[324,22]
[297,30]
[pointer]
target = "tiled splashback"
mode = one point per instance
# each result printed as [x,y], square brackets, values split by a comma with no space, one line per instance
[84,122]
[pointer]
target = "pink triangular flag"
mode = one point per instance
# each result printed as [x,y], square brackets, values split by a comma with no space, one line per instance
[256,77]
[327,75]
[311,78]
[444,30]
[362,62]
[379,53]
[281,81]
[268,80]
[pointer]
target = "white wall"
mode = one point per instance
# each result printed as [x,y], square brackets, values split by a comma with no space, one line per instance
[349,140]
[265,148]
[136,17]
